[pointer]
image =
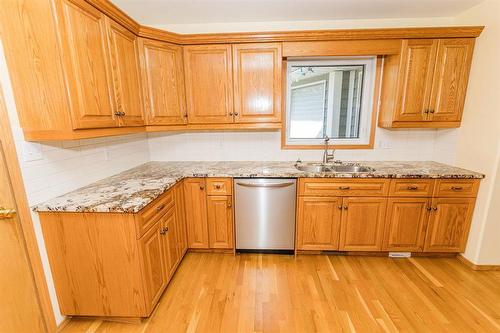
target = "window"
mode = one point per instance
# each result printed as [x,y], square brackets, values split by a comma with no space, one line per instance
[330,98]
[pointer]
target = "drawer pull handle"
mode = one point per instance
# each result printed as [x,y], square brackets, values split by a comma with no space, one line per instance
[344,187]
[202,187]
[412,188]
[457,188]
[160,207]
[217,186]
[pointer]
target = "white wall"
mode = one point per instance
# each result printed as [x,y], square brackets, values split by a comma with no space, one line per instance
[55,168]
[478,145]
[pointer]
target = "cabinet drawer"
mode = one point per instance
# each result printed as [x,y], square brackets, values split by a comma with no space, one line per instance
[343,187]
[154,211]
[465,188]
[219,186]
[411,187]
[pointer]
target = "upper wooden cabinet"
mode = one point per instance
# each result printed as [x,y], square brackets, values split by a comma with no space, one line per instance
[257,82]
[125,70]
[88,68]
[425,85]
[163,83]
[209,83]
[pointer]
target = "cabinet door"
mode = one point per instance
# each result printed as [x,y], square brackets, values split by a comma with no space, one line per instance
[196,213]
[170,244]
[181,219]
[362,224]
[220,221]
[163,83]
[416,70]
[406,224]
[449,224]
[209,83]
[318,223]
[87,67]
[125,71]
[453,63]
[257,82]
[155,273]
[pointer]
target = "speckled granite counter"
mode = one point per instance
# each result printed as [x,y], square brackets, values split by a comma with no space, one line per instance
[132,190]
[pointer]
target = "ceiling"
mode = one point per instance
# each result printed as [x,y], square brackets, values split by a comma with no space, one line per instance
[159,12]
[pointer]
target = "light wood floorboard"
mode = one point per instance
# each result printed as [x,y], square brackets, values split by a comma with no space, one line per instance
[319,293]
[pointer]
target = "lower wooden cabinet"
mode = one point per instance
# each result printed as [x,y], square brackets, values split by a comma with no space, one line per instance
[449,224]
[362,224]
[196,213]
[406,224]
[220,221]
[318,223]
[114,264]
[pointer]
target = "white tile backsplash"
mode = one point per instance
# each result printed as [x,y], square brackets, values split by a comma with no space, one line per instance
[255,146]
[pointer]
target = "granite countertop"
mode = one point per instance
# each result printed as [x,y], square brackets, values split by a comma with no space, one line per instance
[132,190]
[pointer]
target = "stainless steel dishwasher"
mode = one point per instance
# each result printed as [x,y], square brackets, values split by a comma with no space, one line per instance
[265,214]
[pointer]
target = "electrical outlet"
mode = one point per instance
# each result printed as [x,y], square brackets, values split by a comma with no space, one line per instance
[32,151]
[399,254]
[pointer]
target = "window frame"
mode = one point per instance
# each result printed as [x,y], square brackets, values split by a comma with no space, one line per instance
[369,101]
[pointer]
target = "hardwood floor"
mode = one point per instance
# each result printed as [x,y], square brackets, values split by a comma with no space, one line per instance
[319,293]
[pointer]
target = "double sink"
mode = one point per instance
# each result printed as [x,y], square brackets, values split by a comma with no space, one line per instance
[340,168]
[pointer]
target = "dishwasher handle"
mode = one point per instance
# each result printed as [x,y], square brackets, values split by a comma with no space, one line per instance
[266,185]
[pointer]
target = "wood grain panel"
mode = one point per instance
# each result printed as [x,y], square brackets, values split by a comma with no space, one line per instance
[209,83]
[154,211]
[220,221]
[411,187]
[126,76]
[257,82]
[163,83]
[219,186]
[196,213]
[406,224]
[415,81]
[449,224]
[91,277]
[181,218]
[154,264]
[341,48]
[454,57]
[170,242]
[343,187]
[318,223]
[87,64]
[362,225]
[456,188]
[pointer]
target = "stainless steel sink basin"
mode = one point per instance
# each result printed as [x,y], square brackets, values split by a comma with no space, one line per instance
[351,168]
[341,168]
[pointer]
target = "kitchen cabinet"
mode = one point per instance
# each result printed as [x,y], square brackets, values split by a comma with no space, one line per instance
[449,224]
[181,218]
[362,224]
[257,82]
[87,63]
[425,85]
[196,213]
[125,71]
[318,223]
[114,264]
[209,83]
[220,221]
[154,263]
[163,83]
[406,224]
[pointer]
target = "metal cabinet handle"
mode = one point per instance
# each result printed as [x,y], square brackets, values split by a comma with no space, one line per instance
[426,111]
[217,186]
[202,187]
[6,213]
[266,185]
[431,111]
[229,204]
[412,188]
[236,113]
[185,115]
[120,113]
[344,187]
[230,113]
[160,207]
[429,208]
[346,207]
[435,208]
[457,188]
[339,207]
[163,231]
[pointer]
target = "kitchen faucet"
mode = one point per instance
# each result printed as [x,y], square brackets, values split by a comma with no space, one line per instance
[328,157]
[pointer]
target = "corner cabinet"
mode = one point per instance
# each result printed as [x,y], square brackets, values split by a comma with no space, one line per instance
[424,86]
[115,264]
[233,84]
[409,215]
